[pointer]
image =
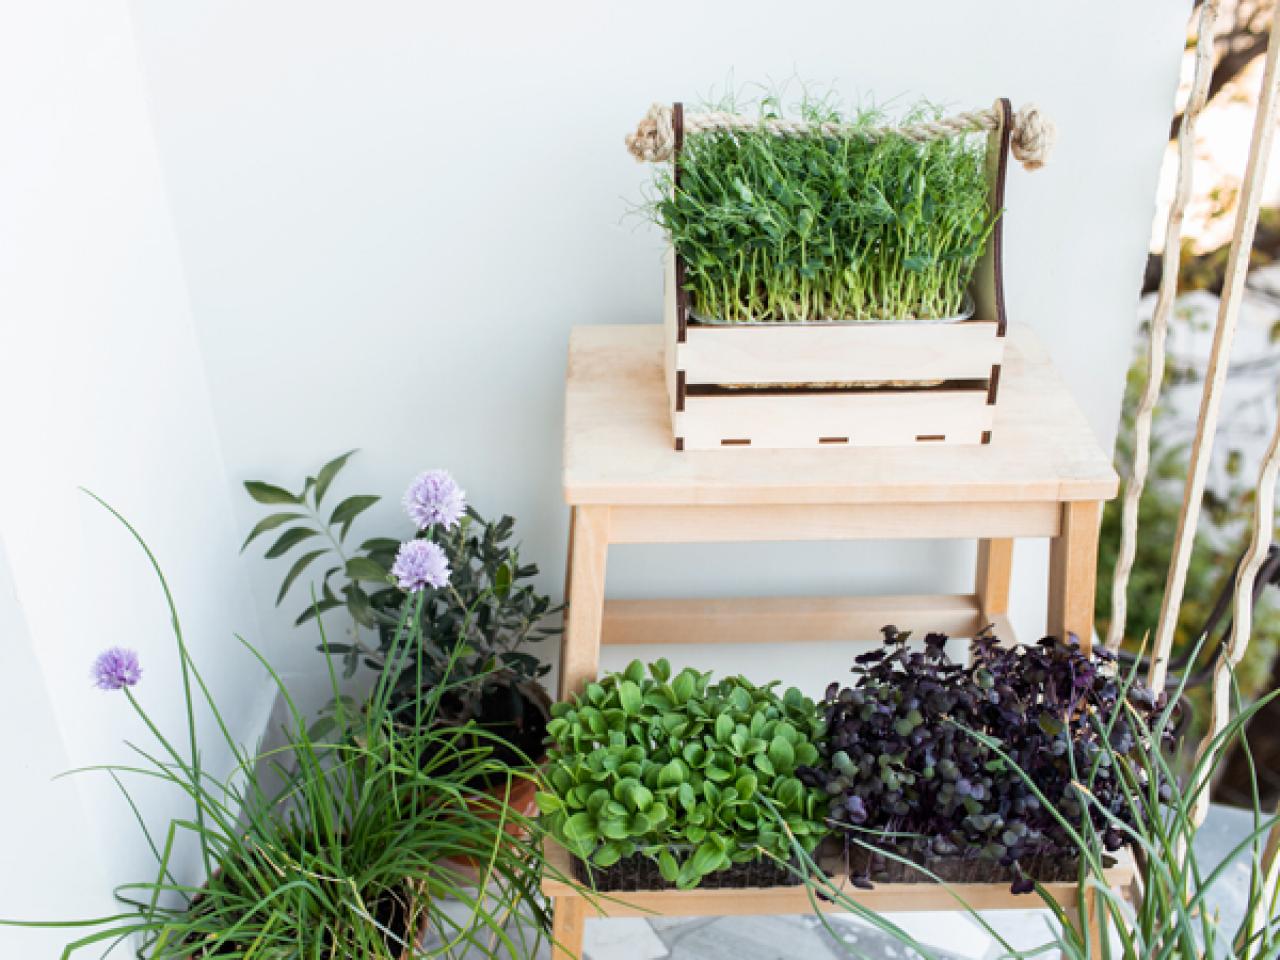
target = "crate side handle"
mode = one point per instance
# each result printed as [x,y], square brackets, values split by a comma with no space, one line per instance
[1032,133]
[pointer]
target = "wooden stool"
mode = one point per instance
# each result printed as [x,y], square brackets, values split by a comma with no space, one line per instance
[1043,475]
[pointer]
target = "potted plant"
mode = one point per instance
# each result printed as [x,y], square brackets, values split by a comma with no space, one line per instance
[833,279]
[658,781]
[462,579]
[921,758]
[338,845]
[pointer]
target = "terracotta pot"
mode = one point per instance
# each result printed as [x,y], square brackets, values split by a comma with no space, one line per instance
[516,795]
[518,792]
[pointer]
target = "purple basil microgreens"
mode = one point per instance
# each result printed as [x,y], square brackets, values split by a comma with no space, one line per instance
[899,758]
[1023,884]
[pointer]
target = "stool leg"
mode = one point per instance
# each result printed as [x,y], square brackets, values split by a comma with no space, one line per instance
[1091,932]
[994,571]
[1073,568]
[568,560]
[584,593]
[566,928]
[1093,920]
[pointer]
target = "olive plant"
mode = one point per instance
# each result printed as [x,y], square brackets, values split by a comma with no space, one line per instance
[474,587]
[694,775]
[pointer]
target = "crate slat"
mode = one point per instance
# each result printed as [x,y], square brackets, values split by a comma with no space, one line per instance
[781,354]
[891,418]
[740,620]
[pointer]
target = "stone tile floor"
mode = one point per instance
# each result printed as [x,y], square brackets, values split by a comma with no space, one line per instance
[950,936]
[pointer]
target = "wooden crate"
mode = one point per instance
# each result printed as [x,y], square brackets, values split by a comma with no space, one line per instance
[779,385]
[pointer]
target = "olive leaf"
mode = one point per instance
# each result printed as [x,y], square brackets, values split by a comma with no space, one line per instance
[267,493]
[290,539]
[299,565]
[269,523]
[345,513]
[324,477]
[362,568]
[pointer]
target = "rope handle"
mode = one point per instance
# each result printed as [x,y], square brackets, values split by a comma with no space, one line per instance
[1032,137]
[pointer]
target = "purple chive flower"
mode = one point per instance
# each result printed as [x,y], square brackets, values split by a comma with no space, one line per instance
[419,564]
[116,669]
[434,497]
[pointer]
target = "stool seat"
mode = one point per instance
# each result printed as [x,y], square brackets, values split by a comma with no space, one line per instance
[618,447]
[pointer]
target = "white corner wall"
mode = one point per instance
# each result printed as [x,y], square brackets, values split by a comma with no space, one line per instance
[37,876]
[101,386]
[240,237]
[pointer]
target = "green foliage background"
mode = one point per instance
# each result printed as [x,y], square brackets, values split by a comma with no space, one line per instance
[1212,559]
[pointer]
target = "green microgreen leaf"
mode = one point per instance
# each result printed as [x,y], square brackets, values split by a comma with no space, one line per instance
[668,778]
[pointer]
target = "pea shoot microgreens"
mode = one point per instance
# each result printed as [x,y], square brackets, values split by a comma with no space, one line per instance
[825,228]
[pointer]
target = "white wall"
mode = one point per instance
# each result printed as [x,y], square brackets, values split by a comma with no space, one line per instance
[31,867]
[374,224]
[101,385]
[391,214]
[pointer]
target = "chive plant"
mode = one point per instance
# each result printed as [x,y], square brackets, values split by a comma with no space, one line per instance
[337,844]
[826,228]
